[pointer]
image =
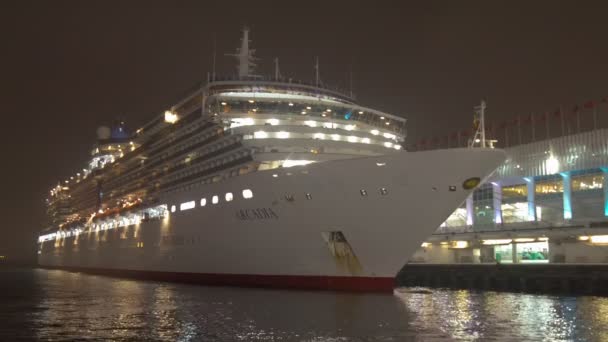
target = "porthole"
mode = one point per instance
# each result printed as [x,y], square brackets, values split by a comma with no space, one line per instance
[247,193]
[308,196]
[383,191]
[229,196]
[203,202]
[363,192]
[173,208]
[215,199]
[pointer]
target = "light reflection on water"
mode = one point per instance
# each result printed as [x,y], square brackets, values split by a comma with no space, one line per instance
[58,305]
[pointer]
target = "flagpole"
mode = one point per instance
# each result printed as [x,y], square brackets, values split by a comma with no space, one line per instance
[547,124]
[533,129]
[594,118]
[561,115]
[519,128]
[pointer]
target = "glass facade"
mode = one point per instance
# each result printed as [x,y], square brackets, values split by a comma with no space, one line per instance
[483,209]
[525,253]
[503,254]
[515,212]
[532,252]
[457,219]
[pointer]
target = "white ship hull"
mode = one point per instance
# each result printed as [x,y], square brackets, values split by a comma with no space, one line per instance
[269,240]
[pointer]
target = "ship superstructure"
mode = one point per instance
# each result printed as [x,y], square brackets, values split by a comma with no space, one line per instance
[246,151]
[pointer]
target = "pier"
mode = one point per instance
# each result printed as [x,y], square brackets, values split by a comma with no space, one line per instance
[572,279]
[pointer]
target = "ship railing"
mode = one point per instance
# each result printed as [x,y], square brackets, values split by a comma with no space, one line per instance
[281,80]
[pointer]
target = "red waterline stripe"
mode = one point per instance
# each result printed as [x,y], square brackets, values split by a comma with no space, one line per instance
[356,284]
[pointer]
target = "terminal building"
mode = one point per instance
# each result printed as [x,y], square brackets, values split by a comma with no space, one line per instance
[548,203]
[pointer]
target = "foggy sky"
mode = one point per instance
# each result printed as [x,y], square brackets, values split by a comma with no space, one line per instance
[69,67]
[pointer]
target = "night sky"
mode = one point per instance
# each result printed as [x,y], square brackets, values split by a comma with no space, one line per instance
[69,67]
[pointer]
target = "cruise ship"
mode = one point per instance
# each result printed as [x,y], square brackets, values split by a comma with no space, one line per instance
[257,181]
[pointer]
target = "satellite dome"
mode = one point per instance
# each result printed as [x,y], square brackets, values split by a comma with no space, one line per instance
[103,132]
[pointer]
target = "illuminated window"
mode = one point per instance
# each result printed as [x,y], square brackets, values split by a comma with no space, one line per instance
[587,182]
[215,199]
[186,205]
[247,193]
[229,196]
[260,135]
[290,163]
[173,208]
[515,191]
[550,186]
[203,202]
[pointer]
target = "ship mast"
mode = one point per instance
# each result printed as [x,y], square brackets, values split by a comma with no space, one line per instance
[479,125]
[244,56]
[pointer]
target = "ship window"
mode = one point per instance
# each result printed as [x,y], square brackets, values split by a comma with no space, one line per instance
[229,196]
[363,192]
[215,199]
[247,193]
[383,191]
[186,205]
[173,208]
[203,202]
[308,196]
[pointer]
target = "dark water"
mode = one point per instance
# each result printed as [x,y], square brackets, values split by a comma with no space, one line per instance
[59,305]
